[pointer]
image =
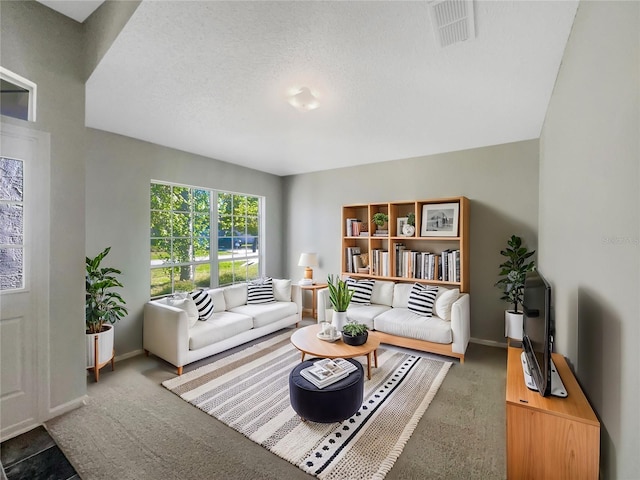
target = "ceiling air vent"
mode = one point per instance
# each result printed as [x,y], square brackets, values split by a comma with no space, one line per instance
[452,21]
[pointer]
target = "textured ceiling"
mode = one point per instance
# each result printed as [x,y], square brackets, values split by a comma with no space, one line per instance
[212,78]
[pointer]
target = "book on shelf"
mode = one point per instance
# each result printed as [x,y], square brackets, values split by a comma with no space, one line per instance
[443,266]
[379,262]
[350,253]
[449,266]
[398,248]
[357,263]
[327,371]
[351,224]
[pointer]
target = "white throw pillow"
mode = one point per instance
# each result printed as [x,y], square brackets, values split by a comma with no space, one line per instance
[260,291]
[189,306]
[401,295]
[444,301]
[219,303]
[204,303]
[421,299]
[282,290]
[235,295]
[382,292]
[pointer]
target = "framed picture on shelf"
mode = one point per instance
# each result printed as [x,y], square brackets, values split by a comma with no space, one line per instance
[401,222]
[440,220]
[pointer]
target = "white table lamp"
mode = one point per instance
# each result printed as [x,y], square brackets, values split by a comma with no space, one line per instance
[308,260]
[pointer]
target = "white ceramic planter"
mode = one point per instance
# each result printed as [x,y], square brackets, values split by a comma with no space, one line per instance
[105,346]
[513,325]
[339,320]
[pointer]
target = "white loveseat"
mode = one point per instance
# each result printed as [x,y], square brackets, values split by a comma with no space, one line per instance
[170,334]
[447,332]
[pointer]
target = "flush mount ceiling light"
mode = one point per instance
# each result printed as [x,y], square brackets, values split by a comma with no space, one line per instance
[304,100]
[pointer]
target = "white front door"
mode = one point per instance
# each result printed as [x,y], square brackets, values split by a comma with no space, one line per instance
[24,278]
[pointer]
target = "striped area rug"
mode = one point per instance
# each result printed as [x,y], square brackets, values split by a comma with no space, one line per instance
[249,391]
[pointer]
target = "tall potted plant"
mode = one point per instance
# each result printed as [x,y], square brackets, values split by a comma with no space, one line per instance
[513,272]
[103,308]
[340,297]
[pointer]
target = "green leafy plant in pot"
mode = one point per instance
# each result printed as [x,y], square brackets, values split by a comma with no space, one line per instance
[354,333]
[380,219]
[514,270]
[103,308]
[340,297]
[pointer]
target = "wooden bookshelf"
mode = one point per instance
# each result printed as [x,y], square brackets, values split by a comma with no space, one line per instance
[435,244]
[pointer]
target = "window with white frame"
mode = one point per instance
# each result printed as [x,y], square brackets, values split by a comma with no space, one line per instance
[17,96]
[202,238]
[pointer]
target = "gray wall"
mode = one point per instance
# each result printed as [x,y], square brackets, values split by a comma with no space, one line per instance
[589,227]
[118,173]
[46,48]
[501,183]
[102,28]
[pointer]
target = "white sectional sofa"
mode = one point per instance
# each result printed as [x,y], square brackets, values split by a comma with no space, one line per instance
[447,332]
[170,333]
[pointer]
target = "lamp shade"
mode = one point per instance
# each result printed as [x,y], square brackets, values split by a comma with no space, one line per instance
[308,260]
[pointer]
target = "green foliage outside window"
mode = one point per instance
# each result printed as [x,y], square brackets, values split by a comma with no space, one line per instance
[182,228]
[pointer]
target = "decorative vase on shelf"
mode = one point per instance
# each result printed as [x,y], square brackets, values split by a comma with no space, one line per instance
[408,230]
[339,320]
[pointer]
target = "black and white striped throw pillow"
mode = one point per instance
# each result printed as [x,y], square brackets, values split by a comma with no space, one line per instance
[204,304]
[260,291]
[362,290]
[422,299]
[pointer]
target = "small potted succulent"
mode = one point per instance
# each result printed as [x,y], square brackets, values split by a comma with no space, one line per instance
[354,334]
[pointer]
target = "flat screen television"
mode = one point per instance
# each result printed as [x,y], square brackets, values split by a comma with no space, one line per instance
[538,332]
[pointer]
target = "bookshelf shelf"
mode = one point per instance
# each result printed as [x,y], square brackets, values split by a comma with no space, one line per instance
[417,255]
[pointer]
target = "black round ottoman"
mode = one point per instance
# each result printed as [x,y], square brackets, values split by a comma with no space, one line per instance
[333,403]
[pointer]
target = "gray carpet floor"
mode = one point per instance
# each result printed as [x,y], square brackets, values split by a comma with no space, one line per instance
[133,428]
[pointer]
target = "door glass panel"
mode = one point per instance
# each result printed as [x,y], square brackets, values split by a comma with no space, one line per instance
[11,224]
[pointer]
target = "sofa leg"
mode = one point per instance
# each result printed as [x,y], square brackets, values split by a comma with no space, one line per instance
[179,370]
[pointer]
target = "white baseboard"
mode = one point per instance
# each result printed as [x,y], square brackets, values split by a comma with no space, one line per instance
[124,356]
[489,343]
[67,407]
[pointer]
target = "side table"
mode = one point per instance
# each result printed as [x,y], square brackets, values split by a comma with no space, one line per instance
[314,290]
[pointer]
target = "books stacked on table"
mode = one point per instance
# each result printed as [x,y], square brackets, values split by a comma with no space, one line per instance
[327,371]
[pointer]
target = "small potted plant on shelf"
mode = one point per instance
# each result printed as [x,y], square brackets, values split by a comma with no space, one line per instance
[513,272]
[103,308]
[380,219]
[340,297]
[355,334]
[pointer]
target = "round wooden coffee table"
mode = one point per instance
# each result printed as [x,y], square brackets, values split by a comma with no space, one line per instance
[305,339]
